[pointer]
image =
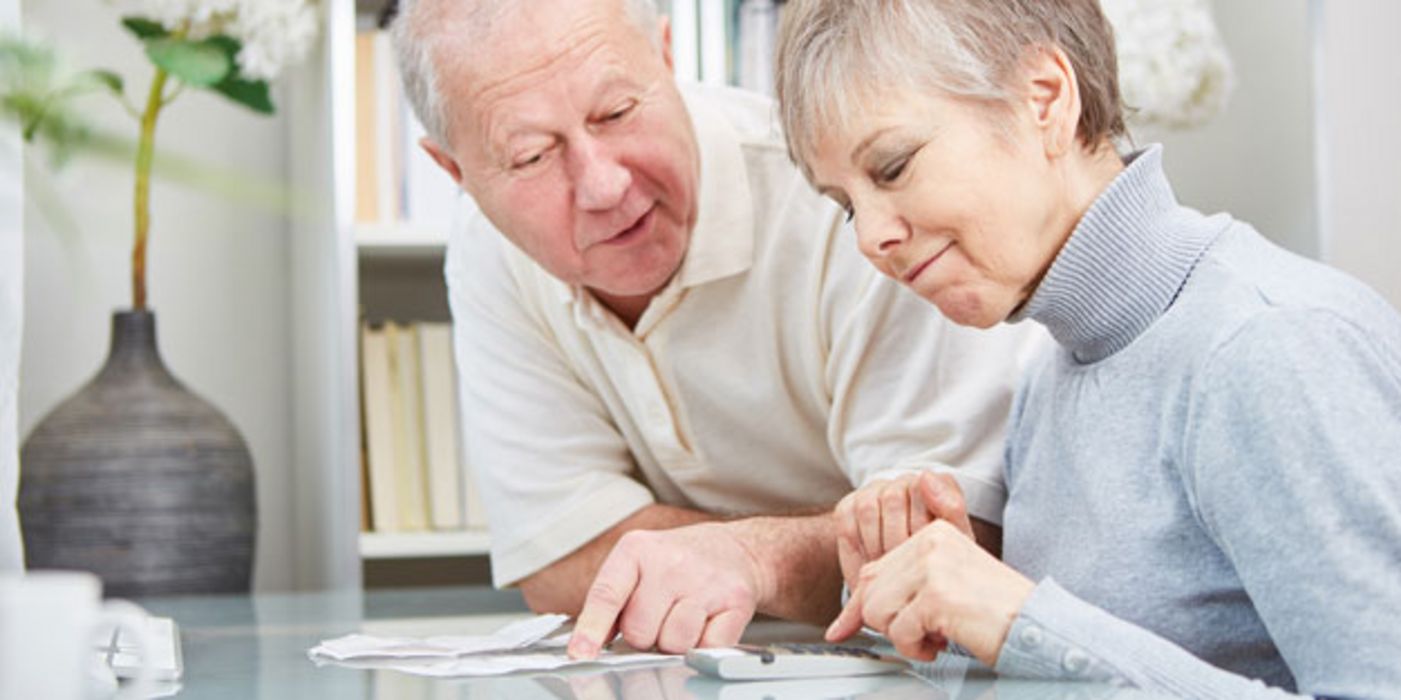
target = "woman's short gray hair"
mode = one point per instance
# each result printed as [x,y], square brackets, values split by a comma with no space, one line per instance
[835,54]
[421,26]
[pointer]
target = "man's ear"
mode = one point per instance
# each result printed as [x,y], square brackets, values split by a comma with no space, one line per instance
[664,26]
[441,157]
[1053,96]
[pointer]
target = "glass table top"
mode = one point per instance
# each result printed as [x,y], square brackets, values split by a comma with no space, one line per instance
[256,647]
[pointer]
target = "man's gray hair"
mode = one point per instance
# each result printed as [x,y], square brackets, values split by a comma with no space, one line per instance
[422,28]
[834,55]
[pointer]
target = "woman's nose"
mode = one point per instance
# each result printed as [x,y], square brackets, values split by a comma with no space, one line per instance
[600,181]
[879,232]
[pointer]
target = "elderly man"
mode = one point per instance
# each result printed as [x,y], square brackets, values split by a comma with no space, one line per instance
[673,366]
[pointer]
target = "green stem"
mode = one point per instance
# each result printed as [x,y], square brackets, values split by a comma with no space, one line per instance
[145,152]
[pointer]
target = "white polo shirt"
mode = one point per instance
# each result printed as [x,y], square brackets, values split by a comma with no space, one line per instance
[774,373]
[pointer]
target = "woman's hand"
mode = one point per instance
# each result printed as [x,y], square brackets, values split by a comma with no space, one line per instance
[939,584]
[882,515]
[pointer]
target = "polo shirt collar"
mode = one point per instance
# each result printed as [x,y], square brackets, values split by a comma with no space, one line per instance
[722,242]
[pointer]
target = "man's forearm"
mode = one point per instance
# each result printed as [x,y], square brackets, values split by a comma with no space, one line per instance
[562,586]
[798,555]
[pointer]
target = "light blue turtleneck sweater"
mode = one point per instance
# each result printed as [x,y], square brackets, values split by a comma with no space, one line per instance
[1205,477]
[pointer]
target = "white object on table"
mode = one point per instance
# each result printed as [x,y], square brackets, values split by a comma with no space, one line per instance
[744,662]
[48,623]
[536,644]
[121,650]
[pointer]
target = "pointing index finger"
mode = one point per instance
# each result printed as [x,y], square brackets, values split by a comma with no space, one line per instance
[611,589]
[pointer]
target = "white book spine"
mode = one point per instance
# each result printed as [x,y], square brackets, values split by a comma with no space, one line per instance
[440,426]
[377,397]
[685,48]
[412,491]
[714,54]
[389,139]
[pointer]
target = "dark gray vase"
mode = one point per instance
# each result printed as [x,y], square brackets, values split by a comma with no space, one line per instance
[138,480]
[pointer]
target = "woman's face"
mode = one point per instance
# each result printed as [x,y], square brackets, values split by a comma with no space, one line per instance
[964,205]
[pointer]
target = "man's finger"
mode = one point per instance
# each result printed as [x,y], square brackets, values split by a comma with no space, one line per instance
[895,515]
[848,622]
[849,557]
[726,627]
[608,595]
[682,627]
[919,513]
[868,519]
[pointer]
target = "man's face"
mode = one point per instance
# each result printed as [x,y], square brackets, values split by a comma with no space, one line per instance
[569,133]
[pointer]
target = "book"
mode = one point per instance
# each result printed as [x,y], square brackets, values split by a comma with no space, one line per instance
[410,478]
[378,427]
[758,29]
[714,53]
[439,391]
[389,131]
[366,129]
[685,40]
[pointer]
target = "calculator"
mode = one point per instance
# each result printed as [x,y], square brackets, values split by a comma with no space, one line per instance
[747,662]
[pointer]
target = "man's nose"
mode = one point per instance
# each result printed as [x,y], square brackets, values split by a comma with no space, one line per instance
[600,181]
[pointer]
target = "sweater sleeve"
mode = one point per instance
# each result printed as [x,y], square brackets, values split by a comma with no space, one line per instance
[1059,636]
[1291,459]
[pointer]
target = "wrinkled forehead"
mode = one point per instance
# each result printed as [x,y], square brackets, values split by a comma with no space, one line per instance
[536,47]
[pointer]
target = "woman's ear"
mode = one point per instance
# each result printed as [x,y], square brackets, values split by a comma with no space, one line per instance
[1053,96]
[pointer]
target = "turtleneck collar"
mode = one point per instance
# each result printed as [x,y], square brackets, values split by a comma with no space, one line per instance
[1123,265]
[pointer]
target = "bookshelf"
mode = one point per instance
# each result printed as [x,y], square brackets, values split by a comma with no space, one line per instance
[344,270]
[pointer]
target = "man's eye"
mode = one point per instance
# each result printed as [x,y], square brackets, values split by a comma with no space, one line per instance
[620,112]
[527,161]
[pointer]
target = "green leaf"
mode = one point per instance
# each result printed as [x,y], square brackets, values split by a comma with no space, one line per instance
[144,28]
[111,80]
[229,45]
[198,63]
[252,94]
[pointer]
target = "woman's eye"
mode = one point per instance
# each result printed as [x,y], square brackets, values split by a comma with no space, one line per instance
[892,172]
[850,212]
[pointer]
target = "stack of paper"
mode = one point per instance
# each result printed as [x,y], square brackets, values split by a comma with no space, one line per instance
[536,644]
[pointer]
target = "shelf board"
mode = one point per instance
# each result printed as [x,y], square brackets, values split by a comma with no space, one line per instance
[416,545]
[400,239]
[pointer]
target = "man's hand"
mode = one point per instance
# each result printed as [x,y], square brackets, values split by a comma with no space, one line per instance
[882,515]
[672,589]
[937,585]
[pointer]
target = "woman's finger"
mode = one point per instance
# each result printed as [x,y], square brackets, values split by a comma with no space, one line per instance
[910,638]
[848,622]
[943,497]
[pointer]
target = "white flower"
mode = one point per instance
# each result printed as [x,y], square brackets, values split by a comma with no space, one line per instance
[274,33]
[1173,69]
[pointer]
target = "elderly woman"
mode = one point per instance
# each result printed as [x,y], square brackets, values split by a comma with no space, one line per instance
[1204,479]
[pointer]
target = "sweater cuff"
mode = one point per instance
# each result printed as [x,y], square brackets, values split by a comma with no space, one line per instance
[1036,646]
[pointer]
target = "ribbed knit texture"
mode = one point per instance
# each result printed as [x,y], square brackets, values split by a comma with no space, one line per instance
[1205,478]
[1117,273]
